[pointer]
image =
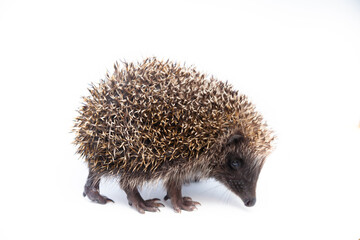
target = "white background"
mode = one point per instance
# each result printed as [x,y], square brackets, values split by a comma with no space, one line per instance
[299,62]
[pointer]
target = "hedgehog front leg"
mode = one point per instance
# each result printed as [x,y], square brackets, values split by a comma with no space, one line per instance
[177,200]
[135,199]
[91,189]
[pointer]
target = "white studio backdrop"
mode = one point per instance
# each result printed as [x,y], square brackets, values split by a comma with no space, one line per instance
[298,61]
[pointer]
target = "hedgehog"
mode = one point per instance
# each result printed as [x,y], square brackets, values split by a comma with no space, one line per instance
[161,121]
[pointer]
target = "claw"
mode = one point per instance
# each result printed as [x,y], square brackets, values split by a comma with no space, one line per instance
[196,203]
[101,199]
[185,203]
[135,199]
[95,196]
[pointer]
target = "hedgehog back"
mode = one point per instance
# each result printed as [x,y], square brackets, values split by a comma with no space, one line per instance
[156,112]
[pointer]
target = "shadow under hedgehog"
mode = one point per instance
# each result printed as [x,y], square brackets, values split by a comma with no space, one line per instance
[158,120]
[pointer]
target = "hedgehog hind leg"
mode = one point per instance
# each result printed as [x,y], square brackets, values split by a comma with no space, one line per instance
[135,200]
[91,189]
[177,200]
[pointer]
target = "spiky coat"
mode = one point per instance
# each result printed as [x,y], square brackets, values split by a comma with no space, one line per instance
[159,120]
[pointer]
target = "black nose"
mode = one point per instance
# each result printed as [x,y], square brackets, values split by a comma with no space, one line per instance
[250,202]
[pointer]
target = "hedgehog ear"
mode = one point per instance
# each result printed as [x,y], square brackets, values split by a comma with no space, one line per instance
[234,139]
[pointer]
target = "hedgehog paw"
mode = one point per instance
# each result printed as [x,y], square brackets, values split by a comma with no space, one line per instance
[184,203]
[151,205]
[95,196]
[135,200]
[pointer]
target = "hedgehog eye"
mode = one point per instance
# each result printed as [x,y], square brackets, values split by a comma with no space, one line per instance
[235,162]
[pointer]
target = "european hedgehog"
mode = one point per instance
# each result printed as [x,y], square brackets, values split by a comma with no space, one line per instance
[160,121]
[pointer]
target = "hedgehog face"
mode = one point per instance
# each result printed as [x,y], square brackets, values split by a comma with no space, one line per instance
[239,169]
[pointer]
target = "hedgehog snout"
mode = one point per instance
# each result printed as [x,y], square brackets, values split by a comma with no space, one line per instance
[245,190]
[248,199]
[250,202]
